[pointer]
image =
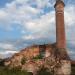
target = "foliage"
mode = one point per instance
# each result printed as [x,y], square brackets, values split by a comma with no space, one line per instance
[23,61]
[73,70]
[44,71]
[37,57]
[17,71]
[14,71]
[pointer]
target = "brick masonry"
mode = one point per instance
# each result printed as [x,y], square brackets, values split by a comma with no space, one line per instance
[60,27]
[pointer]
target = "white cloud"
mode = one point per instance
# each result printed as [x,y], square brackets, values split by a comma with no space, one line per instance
[30,19]
[33,37]
[69,15]
[8,52]
[23,15]
[6,46]
[18,12]
[13,13]
[42,24]
[43,3]
[27,16]
[71,54]
[21,1]
[4,17]
[3,14]
[29,37]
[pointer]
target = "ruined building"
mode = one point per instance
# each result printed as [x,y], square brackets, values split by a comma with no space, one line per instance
[54,56]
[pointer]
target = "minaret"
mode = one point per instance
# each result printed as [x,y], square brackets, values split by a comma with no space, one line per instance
[60,27]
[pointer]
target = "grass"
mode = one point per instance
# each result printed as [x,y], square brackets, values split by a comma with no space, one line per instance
[15,71]
[73,70]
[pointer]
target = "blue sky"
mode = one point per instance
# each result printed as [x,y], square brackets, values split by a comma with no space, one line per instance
[27,22]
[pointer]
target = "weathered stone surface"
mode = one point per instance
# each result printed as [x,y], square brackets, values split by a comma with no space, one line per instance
[57,62]
[31,66]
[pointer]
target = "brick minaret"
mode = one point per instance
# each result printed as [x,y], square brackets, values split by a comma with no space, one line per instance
[60,27]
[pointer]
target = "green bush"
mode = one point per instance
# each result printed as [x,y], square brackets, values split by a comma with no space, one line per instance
[37,57]
[73,70]
[14,71]
[23,61]
[44,71]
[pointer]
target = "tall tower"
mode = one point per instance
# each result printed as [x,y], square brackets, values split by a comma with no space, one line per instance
[60,27]
[60,52]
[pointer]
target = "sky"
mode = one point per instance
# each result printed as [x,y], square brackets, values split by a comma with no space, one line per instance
[27,22]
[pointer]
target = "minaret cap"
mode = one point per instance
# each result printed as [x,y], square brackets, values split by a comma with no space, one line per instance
[58,2]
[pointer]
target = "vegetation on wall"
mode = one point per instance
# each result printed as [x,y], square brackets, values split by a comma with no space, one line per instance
[23,61]
[44,71]
[17,71]
[37,57]
[73,70]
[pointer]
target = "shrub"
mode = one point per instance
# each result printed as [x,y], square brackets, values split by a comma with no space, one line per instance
[23,61]
[44,71]
[13,71]
[37,57]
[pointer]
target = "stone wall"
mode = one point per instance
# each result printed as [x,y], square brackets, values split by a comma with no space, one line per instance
[55,60]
